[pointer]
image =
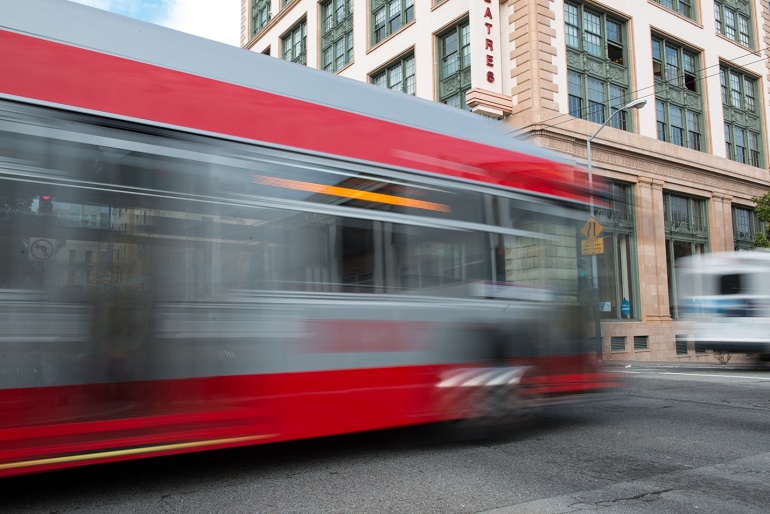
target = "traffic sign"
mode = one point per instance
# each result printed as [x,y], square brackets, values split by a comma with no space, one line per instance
[592,246]
[592,228]
[625,308]
[41,250]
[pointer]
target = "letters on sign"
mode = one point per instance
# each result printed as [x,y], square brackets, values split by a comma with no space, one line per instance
[488,44]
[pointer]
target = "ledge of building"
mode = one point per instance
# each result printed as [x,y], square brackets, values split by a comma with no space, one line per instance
[488,103]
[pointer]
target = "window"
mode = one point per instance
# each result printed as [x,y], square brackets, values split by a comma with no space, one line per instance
[686,234]
[678,99]
[683,7]
[746,225]
[743,126]
[641,343]
[336,34]
[597,74]
[398,76]
[294,44]
[681,344]
[618,343]
[388,16]
[616,267]
[733,20]
[454,50]
[260,15]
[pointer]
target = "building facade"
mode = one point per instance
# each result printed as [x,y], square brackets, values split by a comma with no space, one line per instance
[681,170]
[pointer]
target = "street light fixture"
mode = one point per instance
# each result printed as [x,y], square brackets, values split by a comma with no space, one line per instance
[633,104]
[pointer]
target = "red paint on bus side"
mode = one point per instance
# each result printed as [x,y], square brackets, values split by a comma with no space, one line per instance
[53,72]
[43,426]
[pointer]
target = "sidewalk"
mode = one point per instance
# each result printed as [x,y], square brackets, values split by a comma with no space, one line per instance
[702,366]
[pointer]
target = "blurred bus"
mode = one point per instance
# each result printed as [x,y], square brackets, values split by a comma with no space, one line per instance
[203,247]
[725,299]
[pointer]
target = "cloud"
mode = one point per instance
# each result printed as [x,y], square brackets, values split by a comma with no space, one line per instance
[153,11]
[219,20]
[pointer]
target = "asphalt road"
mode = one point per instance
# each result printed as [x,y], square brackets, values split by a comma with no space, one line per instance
[674,440]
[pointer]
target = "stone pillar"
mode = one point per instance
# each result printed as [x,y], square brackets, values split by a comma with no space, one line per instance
[721,223]
[651,249]
[533,55]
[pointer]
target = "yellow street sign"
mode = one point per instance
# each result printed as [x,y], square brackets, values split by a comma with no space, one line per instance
[592,246]
[592,228]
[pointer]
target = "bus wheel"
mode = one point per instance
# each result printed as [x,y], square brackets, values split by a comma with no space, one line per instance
[499,399]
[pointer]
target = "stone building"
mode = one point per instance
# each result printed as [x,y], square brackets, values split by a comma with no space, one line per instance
[682,169]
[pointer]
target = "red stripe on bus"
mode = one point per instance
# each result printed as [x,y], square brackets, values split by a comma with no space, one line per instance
[49,422]
[53,72]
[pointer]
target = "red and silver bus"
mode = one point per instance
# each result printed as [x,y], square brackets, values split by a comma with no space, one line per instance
[203,247]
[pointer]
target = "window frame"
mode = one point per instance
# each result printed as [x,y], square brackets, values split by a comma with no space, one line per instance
[458,82]
[597,77]
[258,22]
[679,7]
[301,57]
[404,15]
[677,88]
[336,34]
[619,234]
[745,241]
[742,120]
[403,63]
[742,18]
[694,231]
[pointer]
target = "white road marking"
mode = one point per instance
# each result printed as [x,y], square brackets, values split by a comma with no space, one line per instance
[695,374]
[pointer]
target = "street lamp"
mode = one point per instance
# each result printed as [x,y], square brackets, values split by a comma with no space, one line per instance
[633,104]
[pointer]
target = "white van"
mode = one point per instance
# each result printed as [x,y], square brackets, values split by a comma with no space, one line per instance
[725,300]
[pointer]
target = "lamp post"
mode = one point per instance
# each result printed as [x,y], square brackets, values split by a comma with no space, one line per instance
[634,104]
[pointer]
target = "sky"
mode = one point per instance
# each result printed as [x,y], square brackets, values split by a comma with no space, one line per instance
[213,19]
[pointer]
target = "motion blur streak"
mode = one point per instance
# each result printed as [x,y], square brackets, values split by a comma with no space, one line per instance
[131,451]
[724,302]
[156,298]
[346,192]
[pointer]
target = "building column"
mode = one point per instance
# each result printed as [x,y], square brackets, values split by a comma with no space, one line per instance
[721,223]
[651,249]
[533,56]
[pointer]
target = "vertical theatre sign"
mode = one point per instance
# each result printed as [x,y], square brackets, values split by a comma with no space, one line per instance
[485,31]
[489,44]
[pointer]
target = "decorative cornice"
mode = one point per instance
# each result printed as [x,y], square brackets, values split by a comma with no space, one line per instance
[645,182]
[633,161]
[722,198]
[553,141]
[488,103]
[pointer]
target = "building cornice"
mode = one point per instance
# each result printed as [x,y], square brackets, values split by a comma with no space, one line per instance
[633,162]
[488,103]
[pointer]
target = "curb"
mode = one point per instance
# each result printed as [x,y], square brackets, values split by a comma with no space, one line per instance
[688,366]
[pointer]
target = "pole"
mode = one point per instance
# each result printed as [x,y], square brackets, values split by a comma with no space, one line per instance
[594,267]
[633,104]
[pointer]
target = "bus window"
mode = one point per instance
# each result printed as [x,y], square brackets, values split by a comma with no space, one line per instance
[731,284]
[427,258]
